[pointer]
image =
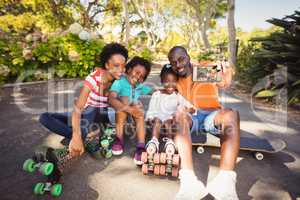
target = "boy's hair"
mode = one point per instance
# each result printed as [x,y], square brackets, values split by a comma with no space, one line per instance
[112,49]
[136,60]
[167,69]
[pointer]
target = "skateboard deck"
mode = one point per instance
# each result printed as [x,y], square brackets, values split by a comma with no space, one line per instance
[259,146]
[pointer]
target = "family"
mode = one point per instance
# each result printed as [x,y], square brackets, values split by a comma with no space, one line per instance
[193,106]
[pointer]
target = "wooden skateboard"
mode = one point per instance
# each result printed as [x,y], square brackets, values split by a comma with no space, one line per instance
[258,146]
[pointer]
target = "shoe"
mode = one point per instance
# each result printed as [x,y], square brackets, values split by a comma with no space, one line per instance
[152,146]
[190,187]
[117,147]
[140,148]
[169,147]
[223,186]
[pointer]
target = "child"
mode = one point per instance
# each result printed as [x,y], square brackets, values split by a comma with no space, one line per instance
[123,97]
[163,105]
[92,105]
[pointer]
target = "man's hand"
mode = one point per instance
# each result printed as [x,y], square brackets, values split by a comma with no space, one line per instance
[76,147]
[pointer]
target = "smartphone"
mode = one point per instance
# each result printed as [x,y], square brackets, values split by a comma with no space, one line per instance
[208,73]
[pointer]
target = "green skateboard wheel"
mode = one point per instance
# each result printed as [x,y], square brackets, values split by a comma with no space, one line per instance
[105,143]
[39,189]
[29,165]
[46,168]
[56,190]
[108,154]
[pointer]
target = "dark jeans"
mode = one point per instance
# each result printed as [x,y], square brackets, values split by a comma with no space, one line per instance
[61,123]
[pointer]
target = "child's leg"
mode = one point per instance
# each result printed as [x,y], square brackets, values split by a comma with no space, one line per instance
[168,125]
[121,118]
[156,128]
[140,129]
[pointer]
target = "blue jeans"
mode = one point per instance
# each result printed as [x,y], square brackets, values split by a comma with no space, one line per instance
[203,122]
[61,123]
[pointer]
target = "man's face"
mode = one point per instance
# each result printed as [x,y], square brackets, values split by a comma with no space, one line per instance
[180,62]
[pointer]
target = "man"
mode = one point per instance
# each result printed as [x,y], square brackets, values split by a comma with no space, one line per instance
[210,118]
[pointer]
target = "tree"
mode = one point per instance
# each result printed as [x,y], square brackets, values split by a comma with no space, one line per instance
[206,11]
[231,33]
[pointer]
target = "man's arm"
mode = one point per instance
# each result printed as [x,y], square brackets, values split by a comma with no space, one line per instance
[226,76]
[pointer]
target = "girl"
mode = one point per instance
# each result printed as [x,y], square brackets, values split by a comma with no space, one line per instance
[92,104]
[123,97]
[163,105]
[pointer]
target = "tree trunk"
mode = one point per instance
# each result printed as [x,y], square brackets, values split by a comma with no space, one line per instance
[127,25]
[231,33]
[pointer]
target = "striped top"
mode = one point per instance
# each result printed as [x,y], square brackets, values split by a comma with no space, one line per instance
[93,81]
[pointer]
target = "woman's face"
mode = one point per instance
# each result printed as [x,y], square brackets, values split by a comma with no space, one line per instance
[169,83]
[136,74]
[116,65]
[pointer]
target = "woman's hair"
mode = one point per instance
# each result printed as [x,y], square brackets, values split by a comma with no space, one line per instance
[112,49]
[136,60]
[167,69]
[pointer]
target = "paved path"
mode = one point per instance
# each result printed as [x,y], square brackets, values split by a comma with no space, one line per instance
[276,177]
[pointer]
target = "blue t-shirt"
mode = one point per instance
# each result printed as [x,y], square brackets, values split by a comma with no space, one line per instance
[124,89]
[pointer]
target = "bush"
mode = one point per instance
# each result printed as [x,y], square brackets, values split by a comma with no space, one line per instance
[67,56]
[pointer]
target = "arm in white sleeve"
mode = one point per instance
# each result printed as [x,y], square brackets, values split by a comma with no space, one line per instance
[153,106]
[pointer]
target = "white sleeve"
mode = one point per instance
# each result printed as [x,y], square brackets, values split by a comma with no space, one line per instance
[153,108]
[183,102]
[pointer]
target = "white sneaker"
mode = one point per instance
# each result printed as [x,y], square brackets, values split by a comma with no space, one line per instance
[190,187]
[223,186]
[152,146]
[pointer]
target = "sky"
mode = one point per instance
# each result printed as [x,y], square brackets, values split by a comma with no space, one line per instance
[250,14]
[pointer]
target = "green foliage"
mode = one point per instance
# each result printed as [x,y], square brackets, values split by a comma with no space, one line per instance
[66,56]
[278,51]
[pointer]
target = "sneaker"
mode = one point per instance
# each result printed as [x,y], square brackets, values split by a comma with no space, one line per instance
[152,146]
[223,186]
[140,147]
[117,147]
[190,187]
[170,147]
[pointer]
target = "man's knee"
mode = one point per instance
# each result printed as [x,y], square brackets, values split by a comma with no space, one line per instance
[230,121]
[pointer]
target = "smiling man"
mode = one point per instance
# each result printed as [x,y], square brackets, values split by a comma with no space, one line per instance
[211,118]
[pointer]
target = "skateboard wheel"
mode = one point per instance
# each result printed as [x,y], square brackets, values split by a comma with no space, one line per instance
[176,159]
[145,169]
[39,189]
[162,170]
[46,168]
[28,165]
[156,158]
[163,158]
[156,170]
[200,150]
[175,171]
[259,156]
[108,154]
[105,143]
[144,157]
[56,190]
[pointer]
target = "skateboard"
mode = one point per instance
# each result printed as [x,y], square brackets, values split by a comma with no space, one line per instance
[258,146]
[52,162]
[164,163]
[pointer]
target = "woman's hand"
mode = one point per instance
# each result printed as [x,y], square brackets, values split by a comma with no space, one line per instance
[76,147]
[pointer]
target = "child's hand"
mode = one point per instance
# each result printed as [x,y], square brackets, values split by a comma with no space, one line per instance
[76,147]
[191,110]
[136,111]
